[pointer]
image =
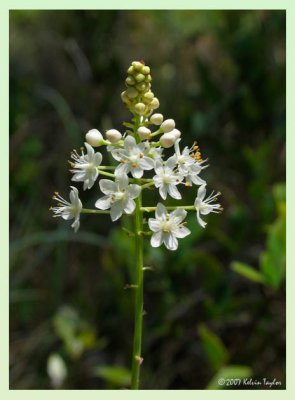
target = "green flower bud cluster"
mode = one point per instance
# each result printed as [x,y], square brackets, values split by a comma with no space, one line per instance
[138,96]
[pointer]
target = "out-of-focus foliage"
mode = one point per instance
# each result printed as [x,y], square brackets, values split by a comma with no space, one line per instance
[221,76]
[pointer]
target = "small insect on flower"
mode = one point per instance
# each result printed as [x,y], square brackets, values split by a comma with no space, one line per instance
[85,166]
[204,206]
[69,210]
[167,227]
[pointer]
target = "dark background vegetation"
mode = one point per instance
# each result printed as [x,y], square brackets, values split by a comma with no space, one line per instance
[214,308]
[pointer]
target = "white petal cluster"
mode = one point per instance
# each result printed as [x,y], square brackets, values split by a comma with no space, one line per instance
[167,180]
[69,210]
[85,166]
[118,196]
[167,228]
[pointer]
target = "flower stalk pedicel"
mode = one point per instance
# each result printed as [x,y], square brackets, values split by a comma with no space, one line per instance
[139,154]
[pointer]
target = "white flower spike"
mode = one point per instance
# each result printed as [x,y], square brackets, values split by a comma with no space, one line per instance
[69,210]
[167,228]
[85,166]
[118,196]
[204,206]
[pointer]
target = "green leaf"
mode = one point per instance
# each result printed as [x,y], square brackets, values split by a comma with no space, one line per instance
[247,271]
[213,347]
[118,376]
[229,372]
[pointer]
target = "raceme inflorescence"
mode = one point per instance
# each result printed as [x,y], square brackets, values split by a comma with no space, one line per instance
[140,164]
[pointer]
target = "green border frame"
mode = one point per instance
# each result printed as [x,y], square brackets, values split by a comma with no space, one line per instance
[5,6]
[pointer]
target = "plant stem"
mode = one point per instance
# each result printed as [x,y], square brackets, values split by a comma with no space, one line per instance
[93,211]
[136,355]
[170,208]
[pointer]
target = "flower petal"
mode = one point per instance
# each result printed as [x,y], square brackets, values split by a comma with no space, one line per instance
[107,186]
[201,192]
[137,172]
[163,192]
[179,215]
[129,143]
[157,239]
[200,221]
[161,211]
[170,241]
[146,163]
[129,206]
[174,192]
[122,180]
[104,203]
[116,210]
[134,191]
[154,224]
[182,232]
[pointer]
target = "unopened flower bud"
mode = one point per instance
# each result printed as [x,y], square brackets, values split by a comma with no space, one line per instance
[113,135]
[94,138]
[155,103]
[124,97]
[145,70]
[148,97]
[139,108]
[143,132]
[141,87]
[168,125]
[176,133]
[156,119]
[148,78]
[167,140]
[130,80]
[131,93]
[130,70]
[139,77]
[137,65]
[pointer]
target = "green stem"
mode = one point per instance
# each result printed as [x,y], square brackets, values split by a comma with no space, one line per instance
[136,355]
[103,167]
[91,211]
[170,208]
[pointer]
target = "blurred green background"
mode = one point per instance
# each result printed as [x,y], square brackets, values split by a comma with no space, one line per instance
[216,307]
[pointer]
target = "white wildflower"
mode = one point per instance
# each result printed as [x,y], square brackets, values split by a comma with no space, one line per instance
[133,158]
[118,196]
[85,166]
[204,206]
[166,179]
[167,227]
[69,210]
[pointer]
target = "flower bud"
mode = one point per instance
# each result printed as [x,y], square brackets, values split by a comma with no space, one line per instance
[155,103]
[124,97]
[156,119]
[143,132]
[113,135]
[141,87]
[130,80]
[167,140]
[168,125]
[131,93]
[148,97]
[139,77]
[94,138]
[176,133]
[137,65]
[130,70]
[145,70]
[139,108]
[148,78]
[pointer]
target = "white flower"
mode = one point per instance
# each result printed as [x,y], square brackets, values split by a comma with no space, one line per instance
[94,138]
[188,167]
[205,207]
[113,135]
[133,158]
[68,210]
[166,179]
[167,125]
[167,228]
[118,196]
[85,166]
